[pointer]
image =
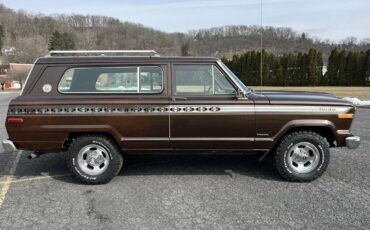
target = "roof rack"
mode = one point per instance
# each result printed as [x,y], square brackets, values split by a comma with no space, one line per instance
[151,53]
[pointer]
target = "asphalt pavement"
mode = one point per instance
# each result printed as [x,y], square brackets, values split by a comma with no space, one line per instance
[186,191]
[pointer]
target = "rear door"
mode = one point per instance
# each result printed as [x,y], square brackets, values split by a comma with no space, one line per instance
[205,112]
[129,101]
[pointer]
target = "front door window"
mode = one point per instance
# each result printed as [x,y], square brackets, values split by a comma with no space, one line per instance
[200,80]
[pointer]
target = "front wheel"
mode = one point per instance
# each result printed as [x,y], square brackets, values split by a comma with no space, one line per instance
[302,156]
[94,159]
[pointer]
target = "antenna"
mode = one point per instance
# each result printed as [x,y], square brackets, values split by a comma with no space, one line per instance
[261,67]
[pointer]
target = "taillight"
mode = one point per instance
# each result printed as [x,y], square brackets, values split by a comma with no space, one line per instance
[15,120]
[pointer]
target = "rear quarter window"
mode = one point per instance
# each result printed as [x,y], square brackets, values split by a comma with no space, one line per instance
[133,79]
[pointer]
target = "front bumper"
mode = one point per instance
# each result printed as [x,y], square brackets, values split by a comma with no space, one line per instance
[353,142]
[9,146]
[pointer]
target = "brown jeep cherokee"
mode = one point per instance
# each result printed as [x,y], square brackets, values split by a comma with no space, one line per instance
[98,107]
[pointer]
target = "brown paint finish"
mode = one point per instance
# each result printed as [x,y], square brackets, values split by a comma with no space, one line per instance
[46,129]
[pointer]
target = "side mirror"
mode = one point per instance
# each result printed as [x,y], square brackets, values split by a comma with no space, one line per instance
[240,94]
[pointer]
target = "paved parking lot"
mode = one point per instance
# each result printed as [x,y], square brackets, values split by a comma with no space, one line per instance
[186,191]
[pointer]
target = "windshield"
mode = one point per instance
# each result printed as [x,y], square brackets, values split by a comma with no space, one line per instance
[235,78]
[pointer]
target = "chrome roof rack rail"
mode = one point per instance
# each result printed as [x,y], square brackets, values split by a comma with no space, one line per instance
[151,53]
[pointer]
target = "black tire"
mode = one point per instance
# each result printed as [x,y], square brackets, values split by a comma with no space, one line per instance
[283,156]
[110,151]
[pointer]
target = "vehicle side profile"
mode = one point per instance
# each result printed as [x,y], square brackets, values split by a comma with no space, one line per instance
[97,107]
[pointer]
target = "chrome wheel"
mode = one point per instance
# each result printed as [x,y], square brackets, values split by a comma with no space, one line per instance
[93,159]
[303,157]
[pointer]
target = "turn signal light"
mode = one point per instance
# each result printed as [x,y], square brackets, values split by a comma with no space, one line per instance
[15,120]
[347,115]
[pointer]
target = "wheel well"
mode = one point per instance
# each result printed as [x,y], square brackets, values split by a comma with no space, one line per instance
[71,136]
[323,131]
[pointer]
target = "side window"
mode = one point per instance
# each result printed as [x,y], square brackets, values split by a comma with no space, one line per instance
[134,79]
[124,80]
[151,79]
[200,80]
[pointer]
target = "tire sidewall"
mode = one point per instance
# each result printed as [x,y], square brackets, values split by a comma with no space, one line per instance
[112,154]
[323,152]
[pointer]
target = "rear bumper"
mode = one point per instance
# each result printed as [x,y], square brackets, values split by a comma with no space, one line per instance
[353,142]
[9,146]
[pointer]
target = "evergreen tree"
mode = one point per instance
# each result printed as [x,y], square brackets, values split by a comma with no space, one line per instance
[360,79]
[342,68]
[185,49]
[61,41]
[332,68]
[367,68]
[319,66]
[302,69]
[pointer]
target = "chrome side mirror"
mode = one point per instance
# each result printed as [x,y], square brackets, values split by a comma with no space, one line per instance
[240,94]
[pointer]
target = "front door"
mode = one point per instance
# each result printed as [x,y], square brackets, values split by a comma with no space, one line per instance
[205,112]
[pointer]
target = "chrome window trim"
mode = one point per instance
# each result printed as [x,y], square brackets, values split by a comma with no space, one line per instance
[124,93]
[138,79]
[213,79]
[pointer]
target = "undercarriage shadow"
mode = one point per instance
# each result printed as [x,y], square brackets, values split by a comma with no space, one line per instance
[169,163]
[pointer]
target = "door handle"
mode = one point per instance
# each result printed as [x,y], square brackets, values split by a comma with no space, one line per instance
[179,98]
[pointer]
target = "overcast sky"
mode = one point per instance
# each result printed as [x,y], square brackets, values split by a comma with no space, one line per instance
[326,19]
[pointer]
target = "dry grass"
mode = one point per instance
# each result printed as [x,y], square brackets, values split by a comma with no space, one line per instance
[359,92]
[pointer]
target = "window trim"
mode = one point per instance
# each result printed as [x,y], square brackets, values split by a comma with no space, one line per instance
[214,65]
[128,93]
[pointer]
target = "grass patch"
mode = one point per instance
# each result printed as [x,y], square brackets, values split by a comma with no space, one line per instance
[362,93]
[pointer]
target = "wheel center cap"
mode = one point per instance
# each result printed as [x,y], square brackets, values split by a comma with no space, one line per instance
[95,159]
[301,156]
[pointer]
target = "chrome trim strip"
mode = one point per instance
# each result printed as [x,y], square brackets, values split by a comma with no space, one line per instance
[211,139]
[102,52]
[138,79]
[263,139]
[145,139]
[343,132]
[187,139]
[195,139]
[213,79]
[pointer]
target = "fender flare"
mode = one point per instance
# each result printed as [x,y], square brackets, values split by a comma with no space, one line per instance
[305,123]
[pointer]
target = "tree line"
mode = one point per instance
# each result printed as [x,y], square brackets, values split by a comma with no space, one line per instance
[30,34]
[345,68]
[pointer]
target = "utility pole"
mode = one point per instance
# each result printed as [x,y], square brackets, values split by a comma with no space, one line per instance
[261,47]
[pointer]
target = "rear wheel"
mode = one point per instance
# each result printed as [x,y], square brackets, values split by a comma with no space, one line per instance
[94,159]
[302,156]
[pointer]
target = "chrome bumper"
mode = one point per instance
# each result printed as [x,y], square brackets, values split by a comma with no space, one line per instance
[353,142]
[9,146]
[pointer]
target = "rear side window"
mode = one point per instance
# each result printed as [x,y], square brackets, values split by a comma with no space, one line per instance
[133,79]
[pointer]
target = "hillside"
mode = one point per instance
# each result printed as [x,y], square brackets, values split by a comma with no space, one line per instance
[30,35]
